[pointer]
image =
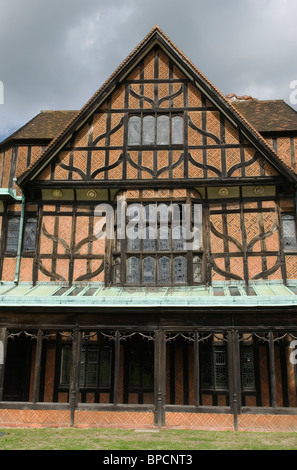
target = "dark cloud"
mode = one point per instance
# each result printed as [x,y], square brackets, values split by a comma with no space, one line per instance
[55,55]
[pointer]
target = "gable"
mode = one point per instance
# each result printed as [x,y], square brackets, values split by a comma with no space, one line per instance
[215,142]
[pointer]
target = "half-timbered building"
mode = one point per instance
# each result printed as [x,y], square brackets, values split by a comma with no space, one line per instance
[110,313]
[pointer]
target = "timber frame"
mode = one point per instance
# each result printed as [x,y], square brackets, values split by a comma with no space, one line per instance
[77,333]
[165,327]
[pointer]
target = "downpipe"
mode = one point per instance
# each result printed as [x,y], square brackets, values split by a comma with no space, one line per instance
[20,241]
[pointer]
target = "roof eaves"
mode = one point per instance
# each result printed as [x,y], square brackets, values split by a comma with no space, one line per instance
[86,110]
[156,35]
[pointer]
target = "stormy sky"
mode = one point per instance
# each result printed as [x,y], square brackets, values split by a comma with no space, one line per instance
[55,54]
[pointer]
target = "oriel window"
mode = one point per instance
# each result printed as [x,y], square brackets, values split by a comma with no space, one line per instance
[157,249]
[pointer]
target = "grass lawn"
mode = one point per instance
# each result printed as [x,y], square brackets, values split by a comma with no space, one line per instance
[155,440]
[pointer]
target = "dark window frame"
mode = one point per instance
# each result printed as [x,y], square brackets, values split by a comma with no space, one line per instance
[62,375]
[289,242]
[138,366]
[12,250]
[142,117]
[27,248]
[194,271]
[209,355]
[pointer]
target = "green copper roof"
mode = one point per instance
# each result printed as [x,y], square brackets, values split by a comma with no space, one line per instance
[261,293]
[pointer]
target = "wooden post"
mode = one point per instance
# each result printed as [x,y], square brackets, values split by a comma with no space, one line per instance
[116,368]
[196,369]
[75,371]
[272,370]
[160,378]
[3,346]
[37,367]
[234,375]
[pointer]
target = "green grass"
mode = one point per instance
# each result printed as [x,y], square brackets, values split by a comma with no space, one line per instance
[164,439]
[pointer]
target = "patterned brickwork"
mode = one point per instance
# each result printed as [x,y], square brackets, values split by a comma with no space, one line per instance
[34,418]
[291,265]
[267,423]
[6,168]
[114,419]
[108,130]
[143,420]
[284,150]
[223,422]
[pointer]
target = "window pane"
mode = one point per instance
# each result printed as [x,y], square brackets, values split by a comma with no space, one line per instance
[180,270]
[164,270]
[13,234]
[247,368]
[65,365]
[221,373]
[164,213]
[134,130]
[150,213]
[177,130]
[92,366]
[163,131]
[82,366]
[117,270]
[133,244]
[105,367]
[289,232]
[135,219]
[148,130]
[134,369]
[178,238]
[149,243]
[148,369]
[133,270]
[164,241]
[30,234]
[197,269]
[148,270]
[206,367]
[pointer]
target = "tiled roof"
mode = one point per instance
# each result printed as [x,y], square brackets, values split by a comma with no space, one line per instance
[265,116]
[268,116]
[46,125]
[257,116]
[156,34]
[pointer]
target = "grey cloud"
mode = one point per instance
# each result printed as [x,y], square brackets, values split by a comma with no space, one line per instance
[55,55]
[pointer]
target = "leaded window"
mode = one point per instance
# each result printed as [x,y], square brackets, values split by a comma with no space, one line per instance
[95,366]
[159,248]
[30,234]
[155,129]
[247,368]
[12,237]
[138,371]
[214,367]
[289,232]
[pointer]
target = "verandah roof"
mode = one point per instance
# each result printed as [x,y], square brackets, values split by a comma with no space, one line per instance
[261,293]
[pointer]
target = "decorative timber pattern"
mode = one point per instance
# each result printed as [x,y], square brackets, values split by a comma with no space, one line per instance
[244,241]
[154,131]
[208,145]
